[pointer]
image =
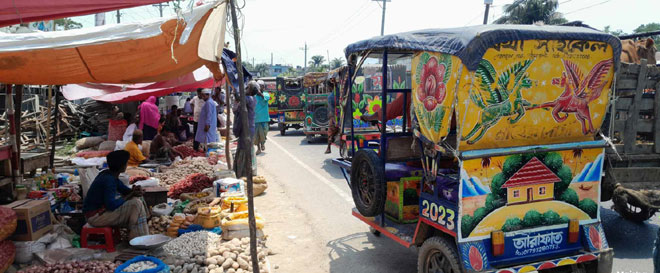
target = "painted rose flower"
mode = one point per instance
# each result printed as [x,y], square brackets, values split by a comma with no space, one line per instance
[432,90]
[294,101]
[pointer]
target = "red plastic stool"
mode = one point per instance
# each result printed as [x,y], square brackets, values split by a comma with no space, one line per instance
[107,232]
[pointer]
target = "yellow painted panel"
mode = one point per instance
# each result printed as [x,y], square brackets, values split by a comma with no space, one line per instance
[535,92]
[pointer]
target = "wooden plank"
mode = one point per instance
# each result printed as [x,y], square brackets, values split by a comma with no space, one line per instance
[643,126]
[630,133]
[637,174]
[623,104]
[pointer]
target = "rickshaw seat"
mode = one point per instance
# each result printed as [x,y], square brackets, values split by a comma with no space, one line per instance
[398,149]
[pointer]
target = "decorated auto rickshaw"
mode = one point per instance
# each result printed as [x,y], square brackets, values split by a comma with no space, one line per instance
[291,103]
[498,163]
[317,89]
[365,99]
[271,88]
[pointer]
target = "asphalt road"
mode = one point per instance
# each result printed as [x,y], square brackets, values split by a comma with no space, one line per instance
[316,196]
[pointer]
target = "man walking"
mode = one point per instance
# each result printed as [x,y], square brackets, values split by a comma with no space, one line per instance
[197,104]
[207,125]
[261,117]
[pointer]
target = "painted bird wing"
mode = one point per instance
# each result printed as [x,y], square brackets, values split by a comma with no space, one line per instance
[593,84]
[574,74]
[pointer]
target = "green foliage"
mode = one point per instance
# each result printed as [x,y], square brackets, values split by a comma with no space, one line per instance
[531,11]
[336,63]
[551,218]
[479,214]
[564,219]
[493,202]
[570,196]
[496,185]
[589,206]
[532,218]
[512,224]
[617,32]
[648,28]
[554,162]
[467,224]
[67,23]
[317,61]
[511,165]
[566,176]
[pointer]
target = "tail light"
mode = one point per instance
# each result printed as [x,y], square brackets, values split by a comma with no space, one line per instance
[573,230]
[497,238]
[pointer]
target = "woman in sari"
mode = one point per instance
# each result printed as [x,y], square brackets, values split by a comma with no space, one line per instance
[149,117]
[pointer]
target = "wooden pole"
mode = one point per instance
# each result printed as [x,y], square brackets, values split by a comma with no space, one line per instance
[48,118]
[245,142]
[18,111]
[228,156]
[57,111]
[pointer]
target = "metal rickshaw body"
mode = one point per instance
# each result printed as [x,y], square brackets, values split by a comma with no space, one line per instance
[499,167]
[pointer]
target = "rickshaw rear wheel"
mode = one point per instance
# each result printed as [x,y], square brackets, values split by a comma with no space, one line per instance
[282,128]
[368,183]
[438,255]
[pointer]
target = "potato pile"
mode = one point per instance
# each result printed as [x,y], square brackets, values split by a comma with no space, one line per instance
[203,251]
[181,169]
[159,224]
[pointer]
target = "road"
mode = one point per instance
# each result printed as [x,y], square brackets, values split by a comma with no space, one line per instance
[307,208]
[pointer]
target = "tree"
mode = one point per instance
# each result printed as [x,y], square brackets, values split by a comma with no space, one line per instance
[261,69]
[617,32]
[67,23]
[336,63]
[648,28]
[531,11]
[291,72]
[317,60]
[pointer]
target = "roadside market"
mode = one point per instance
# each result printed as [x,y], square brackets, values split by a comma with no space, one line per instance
[198,210]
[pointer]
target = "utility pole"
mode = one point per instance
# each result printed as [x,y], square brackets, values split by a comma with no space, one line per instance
[271,59]
[305,49]
[382,24]
[160,7]
[118,17]
[328,52]
[488,3]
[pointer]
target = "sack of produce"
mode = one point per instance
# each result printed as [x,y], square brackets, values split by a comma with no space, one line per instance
[25,250]
[88,142]
[92,154]
[208,217]
[108,145]
[192,183]
[259,189]
[239,203]
[137,171]
[143,264]
[239,221]
[146,146]
[7,253]
[162,209]
[7,222]
[116,129]
[194,195]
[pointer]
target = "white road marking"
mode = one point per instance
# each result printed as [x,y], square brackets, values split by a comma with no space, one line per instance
[325,181]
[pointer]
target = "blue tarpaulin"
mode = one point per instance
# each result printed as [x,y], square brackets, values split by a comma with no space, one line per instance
[470,43]
[228,58]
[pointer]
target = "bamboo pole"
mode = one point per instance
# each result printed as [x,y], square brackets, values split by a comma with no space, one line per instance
[228,156]
[245,141]
[57,111]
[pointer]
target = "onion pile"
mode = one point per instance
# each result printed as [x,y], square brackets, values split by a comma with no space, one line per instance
[192,183]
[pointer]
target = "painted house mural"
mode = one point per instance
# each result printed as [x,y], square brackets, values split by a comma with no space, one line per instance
[533,182]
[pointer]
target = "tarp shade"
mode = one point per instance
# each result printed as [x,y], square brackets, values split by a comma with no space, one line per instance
[470,43]
[23,11]
[124,53]
[117,93]
[229,61]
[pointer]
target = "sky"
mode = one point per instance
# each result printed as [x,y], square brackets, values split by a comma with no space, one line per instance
[282,27]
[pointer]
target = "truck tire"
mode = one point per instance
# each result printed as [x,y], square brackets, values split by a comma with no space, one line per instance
[282,128]
[368,183]
[438,254]
[309,138]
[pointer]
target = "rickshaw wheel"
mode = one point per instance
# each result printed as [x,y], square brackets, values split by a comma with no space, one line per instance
[374,231]
[438,255]
[282,128]
[368,183]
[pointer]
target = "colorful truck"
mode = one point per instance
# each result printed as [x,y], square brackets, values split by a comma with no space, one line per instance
[498,162]
[317,88]
[291,103]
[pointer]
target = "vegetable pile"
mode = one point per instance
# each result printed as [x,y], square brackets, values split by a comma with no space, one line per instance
[140,266]
[192,183]
[159,224]
[7,222]
[183,168]
[74,267]
[7,254]
[203,251]
[90,154]
[187,151]
[137,178]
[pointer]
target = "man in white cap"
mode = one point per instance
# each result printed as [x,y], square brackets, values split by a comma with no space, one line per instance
[207,125]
